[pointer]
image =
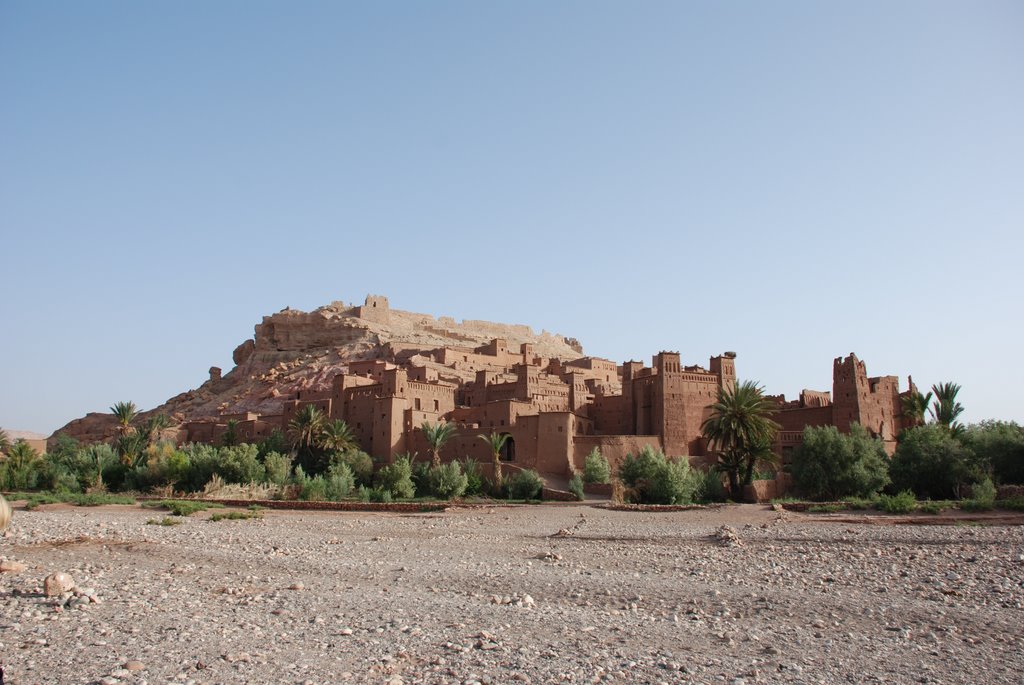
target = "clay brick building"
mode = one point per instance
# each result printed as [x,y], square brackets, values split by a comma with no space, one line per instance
[556,411]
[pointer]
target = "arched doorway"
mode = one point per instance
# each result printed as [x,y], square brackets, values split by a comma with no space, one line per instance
[508,450]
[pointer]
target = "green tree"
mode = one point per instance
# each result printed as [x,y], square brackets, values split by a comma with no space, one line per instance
[829,465]
[741,430]
[155,426]
[596,468]
[930,461]
[437,434]
[496,442]
[946,410]
[5,441]
[337,436]
[997,446]
[915,404]
[125,413]
[306,426]
[230,436]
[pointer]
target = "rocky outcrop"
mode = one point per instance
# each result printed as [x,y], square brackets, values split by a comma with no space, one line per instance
[294,351]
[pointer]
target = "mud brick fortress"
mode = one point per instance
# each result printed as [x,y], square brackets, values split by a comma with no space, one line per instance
[554,409]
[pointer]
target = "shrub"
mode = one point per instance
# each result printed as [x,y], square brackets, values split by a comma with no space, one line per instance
[360,463]
[275,442]
[447,481]
[576,486]
[179,507]
[932,463]
[673,482]
[379,495]
[901,503]
[396,478]
[596,468]
[829,465]
[313,489]
[236,516]
[711,488]
[999,446]
[474,479]
[340,482]
[240,464]
[640,466]
[525,484]
[654,479]
[277,467]
[202,464]
[421,478]
[165,521]
[984,492]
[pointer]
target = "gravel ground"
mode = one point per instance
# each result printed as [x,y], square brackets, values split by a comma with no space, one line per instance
[532,594]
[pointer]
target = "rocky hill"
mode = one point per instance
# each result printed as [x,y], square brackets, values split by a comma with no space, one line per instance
[294,350]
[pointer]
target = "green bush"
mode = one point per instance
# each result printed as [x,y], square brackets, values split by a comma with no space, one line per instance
[447,481]
[576,486]
[358,461]
[236,516]
[313,489]
[711,488]
[396,478]
[275,442]
[240,464]
[421,478]
[932,463]
[474,479]
[902,503]
[829,465]
[525,484]
[202,464]
[997,446]
[596,468]
[984,492]
[655,479]
[277,467]
[379,495]
[340,482]
[641,466]
[179,507]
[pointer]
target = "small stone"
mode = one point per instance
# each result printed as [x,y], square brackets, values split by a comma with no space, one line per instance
[12,567]
[135,666]
[297,586]
[57,584]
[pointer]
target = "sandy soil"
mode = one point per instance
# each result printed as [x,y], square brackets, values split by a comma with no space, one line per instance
[496,595]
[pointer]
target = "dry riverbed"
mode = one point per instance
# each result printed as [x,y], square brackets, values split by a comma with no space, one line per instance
[532,594]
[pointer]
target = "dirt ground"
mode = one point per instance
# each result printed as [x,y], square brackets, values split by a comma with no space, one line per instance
[547,593]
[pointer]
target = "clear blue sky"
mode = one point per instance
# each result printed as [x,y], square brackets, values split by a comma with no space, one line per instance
[789,180]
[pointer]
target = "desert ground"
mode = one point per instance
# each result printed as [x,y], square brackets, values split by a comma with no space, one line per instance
[532,594]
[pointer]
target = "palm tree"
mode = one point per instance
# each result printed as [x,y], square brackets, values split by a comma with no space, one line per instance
[946,410]
[131,447]
[125,413]
[306,426]
[437,434]
[155,426]
[230,436]
[496,442]
[337,436]
[741,430]
[5,441]
[21,454]
[915,404]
